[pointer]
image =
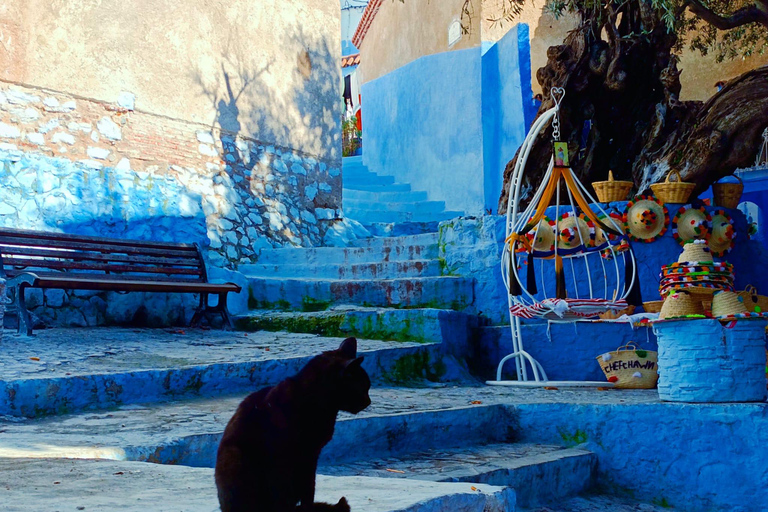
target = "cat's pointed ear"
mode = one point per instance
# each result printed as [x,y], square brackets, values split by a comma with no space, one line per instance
[356,362]
[348,348]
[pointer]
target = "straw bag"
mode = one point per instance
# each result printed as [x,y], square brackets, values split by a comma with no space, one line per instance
[613,314]
[752,300]
[673,191]
[728,195]
[653,306]
[630,368]
[611,190]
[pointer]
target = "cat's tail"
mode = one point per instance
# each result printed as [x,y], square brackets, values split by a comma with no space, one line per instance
[341,506]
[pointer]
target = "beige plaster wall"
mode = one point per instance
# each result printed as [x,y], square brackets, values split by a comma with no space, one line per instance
[268,68]
[404,31]
[700,73]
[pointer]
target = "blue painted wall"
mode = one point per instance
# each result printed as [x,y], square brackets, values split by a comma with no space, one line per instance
[448,123]
[506,106]
[422,124]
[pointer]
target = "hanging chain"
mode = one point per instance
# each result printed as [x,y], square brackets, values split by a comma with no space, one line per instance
[558,93]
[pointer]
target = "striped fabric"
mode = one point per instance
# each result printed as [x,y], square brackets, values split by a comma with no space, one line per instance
[564,309]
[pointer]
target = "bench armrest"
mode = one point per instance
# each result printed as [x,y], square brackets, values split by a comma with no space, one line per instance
[27,277]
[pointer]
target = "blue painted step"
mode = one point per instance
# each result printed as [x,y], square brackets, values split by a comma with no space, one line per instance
[369,250]
[446,292]
[394,187]
[396,229]
[451,328]
[384,270]
[97,389]
[365,216]
[412,207]
[366,195]
[538,473]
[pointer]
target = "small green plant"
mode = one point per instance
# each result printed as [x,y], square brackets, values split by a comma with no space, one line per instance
[575,439]
[350,136]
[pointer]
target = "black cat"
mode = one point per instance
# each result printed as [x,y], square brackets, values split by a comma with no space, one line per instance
[268,455]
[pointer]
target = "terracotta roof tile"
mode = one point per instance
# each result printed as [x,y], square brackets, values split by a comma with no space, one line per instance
[350,60]
[365,22]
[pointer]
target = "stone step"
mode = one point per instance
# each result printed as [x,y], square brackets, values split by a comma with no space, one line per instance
[370,187]
[538,473]
[396,229]
[367,179]
[188,431]
[444,292]
[384,270]
[389,243]
[413,207]
[392,197]
[75,369]
[365,216]
[59,484]
[451,328]
[369,252]
[599,503]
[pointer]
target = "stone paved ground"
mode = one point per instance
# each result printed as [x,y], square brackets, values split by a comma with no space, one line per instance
[67,351]
[70,485]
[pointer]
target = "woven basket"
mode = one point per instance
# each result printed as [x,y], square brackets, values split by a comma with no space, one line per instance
[727,303]
[752,300]
[728,195]
[680,304]
[630,368]
[695,251]
[611,190]
[653,306]
[613,314]
[673,191]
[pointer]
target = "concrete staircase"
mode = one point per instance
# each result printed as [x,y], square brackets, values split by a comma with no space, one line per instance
[387,208]
[95,406]
[387,288]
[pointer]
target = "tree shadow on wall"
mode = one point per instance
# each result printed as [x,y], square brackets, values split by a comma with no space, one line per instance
[290,102]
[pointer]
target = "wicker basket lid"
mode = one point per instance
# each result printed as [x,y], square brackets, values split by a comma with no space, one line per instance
[695,252]
[680,304]
[726,303]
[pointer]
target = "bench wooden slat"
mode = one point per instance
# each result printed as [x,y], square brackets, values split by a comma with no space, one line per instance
[71,265]
[44,235]
[11,251]
[12,273]
[73,283]
[175,252]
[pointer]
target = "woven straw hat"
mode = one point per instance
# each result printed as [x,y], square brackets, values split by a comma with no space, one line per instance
[722,233]
[645,219]
[690,224]
[680,304]
[614,220]
[544,235]
[568,237]
[695,252]
[727,303]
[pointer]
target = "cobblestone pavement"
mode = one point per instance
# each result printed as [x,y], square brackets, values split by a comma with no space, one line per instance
[80,351]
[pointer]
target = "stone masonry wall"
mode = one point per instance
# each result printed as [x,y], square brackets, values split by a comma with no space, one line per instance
[90,167]
[77,165]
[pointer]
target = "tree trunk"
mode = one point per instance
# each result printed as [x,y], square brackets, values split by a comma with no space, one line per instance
[627,86]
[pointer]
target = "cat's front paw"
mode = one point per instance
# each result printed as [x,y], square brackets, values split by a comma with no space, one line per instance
[342,505]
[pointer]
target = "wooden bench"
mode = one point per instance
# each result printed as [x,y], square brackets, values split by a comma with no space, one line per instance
[34,259]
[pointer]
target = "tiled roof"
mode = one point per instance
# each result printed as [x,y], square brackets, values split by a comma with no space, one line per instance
[365,22]
[350,60]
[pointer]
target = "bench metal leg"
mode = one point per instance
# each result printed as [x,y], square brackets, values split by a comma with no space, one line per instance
[25,320]
[205,310]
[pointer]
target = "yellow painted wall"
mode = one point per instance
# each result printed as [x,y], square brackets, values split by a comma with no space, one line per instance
[404,31]
[279,59]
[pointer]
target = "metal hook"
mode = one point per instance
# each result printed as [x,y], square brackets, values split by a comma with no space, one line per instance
[558,93]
